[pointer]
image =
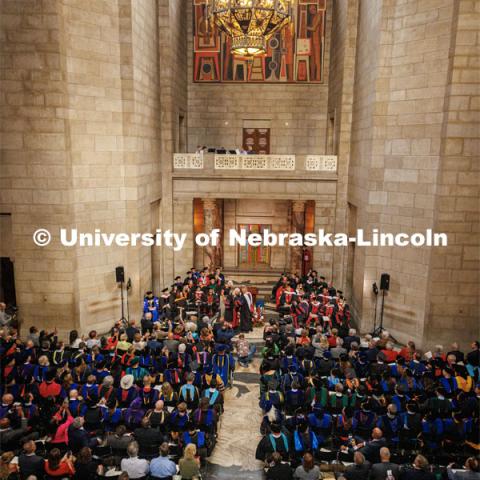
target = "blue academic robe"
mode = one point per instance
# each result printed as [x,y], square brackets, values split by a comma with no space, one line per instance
[223,365]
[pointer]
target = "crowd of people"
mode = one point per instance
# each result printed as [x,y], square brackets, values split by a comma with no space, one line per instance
[205,295]
[330,394]
[143,400]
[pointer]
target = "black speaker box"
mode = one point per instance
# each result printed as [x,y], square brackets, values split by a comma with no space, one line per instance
[385,281]
[120,274]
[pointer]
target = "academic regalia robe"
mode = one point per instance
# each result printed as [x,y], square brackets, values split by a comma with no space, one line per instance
[205,420]
[126,397]
[278,295]
[270,444]
[245,314]
[178,422]
[223,365]
[321,425]
[190,395]
[229,308]
[237,302]
[215,398]
[199,439]
[111,418]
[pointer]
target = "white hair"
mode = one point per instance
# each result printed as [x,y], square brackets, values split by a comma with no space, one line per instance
[272,414]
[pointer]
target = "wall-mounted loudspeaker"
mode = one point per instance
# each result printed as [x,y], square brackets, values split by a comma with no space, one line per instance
[385,281]
[119,274]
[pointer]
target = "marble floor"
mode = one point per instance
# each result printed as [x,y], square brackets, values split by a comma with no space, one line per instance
[239,430]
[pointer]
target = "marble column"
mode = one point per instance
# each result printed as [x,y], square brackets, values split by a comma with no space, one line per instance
[298,226]
[211,220]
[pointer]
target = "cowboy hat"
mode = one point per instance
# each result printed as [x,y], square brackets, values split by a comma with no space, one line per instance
[126,382]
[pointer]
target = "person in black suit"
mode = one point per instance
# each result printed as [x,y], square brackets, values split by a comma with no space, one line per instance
[359,470]
[384,469]
[371,449]
[30,463]
[131,330]
[78,437]
[459,355]
[279,470]
[147,436]
[473,357]
[9,436]
[350,338]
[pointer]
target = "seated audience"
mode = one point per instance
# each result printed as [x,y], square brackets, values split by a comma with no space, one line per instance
[307,470]
[58,466]
[189,465]
[470,471]
[420,470]
[133,465]
[359,470]
[279,470]
[29,462]
[385,469]
[161,467]
[112,399]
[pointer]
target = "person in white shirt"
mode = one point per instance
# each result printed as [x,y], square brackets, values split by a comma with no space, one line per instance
[93,340]
[4,316]
[134,466]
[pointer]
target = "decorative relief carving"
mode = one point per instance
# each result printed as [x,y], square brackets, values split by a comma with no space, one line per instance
[255,162]
[227,162]
[321,163]
[187,160]
[313,163]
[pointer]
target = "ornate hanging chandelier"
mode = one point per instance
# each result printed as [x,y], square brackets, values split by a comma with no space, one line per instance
[250,23]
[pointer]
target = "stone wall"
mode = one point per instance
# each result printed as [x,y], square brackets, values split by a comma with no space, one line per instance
[454,281]
[368,39]
[397,135]
[112,68]
[95,108]
[36,168]
[80,137]
[142,133]
[340,104]
[297,114]
[173,91]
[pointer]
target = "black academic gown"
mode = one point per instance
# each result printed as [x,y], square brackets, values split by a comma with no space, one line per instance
[229,307]
[265,448]
[245,315]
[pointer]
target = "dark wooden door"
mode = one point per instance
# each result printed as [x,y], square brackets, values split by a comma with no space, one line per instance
[257,140]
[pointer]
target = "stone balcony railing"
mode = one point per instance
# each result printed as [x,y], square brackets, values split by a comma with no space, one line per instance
[261,163]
